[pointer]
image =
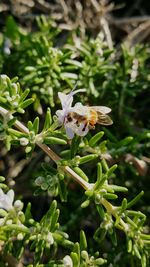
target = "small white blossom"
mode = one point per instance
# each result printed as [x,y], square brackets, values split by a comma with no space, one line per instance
[20,236]
[9,222]
[24,141]
[67,261]
[6,200]
[79,119]
[81,110]
[66,102]
[18,205]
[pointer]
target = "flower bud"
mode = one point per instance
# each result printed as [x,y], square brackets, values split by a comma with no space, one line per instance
[20,236]
[24,141]
[67,261]
[18,205]
[50,238]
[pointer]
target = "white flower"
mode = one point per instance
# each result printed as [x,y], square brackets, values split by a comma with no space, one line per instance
[80,119]
[24,141]
[18,205]
[6,200]
[66,102]
[72,128]
[20,236]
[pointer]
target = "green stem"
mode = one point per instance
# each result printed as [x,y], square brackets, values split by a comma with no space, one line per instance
[87,186]
[49,152]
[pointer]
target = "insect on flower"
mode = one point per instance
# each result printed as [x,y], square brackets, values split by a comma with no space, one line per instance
[80,119]
[66,102]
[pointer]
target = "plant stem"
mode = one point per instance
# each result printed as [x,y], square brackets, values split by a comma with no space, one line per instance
[87,186]
[49,152]
[67,169]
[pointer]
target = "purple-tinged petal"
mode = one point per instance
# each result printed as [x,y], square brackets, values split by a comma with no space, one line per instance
[66,100]
[61,115]
[69,132]
[6,200]
[11,195]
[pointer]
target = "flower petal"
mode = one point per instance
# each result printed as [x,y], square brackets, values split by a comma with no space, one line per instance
[61,115]
[11,195]
[6,200]
[66,100]
[69,132]
[80,130]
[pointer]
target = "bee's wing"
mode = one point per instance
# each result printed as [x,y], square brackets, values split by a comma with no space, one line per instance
[102,109]
[104,120]
[80,109]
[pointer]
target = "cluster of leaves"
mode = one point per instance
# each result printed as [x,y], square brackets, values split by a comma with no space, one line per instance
[48,61]
[100,190]
[110,77]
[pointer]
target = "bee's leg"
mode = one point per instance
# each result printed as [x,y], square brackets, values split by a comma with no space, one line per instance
[77,123]
[85,125]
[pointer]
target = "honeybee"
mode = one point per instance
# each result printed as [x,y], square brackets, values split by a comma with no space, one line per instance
[88,117]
